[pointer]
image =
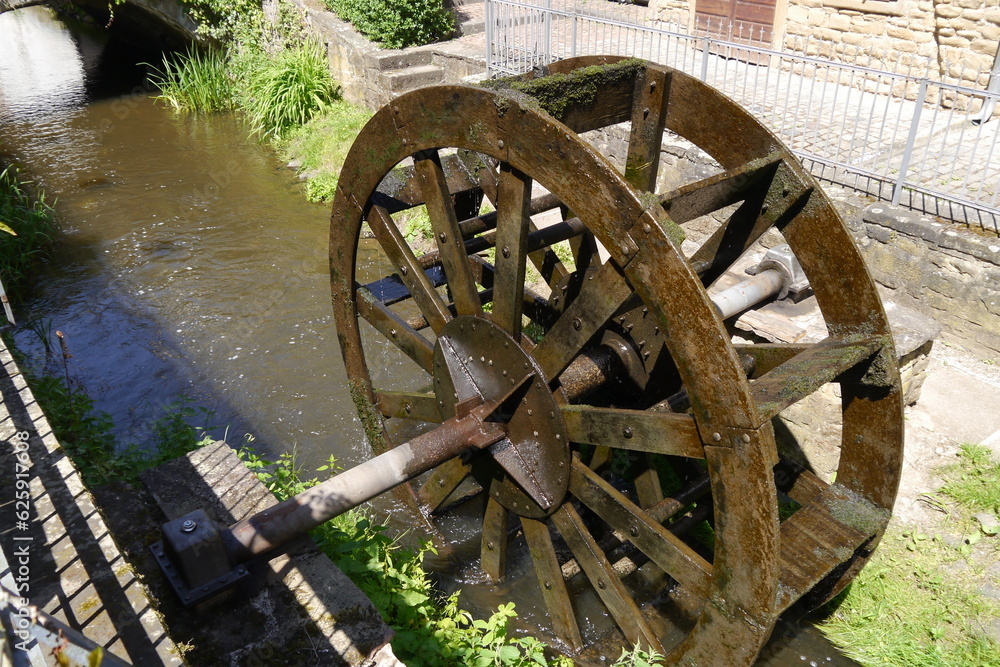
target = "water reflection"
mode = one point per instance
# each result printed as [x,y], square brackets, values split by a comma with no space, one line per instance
[41,68]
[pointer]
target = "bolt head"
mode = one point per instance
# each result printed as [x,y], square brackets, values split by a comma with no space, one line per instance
[189,526]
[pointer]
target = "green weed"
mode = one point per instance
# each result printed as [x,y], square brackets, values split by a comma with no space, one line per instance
[32,220]
[975,480]
[430,629]
[87,434]
[321,146]
[917,602]
[194,81]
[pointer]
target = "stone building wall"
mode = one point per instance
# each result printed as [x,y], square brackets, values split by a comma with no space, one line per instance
[957,39]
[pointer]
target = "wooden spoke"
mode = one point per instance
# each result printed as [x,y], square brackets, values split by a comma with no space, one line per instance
[663,547]
[395,329]
[442,482]
[605,580]
[490,183]
[550,580]
[399,190]
[777,204]
[454,258]
[636,430]
[511,241]
[806,372]
[602,294]
[796,482]
[544,259]
[408,405]
[718,190]
[494,544]
[649,111]
[647,481]
[767,356]
[408,268]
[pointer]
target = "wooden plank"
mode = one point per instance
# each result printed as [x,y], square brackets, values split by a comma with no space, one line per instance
[718,190]
[447,234]
[494,543]
[418,283]
[442,482]
[821,536]
[551,583]
[635,430]
[605,580]
[601,296]
[408,405]
[395,329]
[511,249]
[806,372]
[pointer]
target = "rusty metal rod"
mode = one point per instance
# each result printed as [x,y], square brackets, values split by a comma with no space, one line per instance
[296,516]
[748,293]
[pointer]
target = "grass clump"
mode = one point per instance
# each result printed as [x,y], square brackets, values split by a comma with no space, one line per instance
[396,24]
[31,230]
[910,607]
[194,81]
[288,89]
[974,482]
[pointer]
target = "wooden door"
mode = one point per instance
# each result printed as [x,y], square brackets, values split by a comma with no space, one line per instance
[742,21]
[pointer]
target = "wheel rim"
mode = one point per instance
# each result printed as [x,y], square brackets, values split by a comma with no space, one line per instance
[729,422]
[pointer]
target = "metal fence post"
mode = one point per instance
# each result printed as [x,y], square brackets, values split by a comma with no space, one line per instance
[911,139]
[488,7]
[547,27]
[704,58]
[572,41]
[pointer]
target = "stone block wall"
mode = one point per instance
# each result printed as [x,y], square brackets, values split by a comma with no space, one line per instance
[958,39]
[948,273]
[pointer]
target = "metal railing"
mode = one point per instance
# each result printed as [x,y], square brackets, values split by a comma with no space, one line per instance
[897,135]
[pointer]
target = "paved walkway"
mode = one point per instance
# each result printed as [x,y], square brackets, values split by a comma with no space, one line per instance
[57,548]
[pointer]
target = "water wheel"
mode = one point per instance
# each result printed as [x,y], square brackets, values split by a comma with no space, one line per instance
[641,433]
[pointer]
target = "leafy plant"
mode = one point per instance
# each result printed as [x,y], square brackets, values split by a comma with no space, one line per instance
[321,146]
[430,629]
[289,89]
[396,24]
[639,657]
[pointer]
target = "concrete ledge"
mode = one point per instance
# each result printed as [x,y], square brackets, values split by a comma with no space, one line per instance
[298,608]
[951,274]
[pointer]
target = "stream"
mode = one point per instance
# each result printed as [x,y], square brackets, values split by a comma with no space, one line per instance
[192,271]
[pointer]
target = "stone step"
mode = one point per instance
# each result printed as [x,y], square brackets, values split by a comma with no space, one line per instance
[389,61]
[411,78]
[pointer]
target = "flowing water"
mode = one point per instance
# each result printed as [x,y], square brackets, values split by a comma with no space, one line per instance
[192,265]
